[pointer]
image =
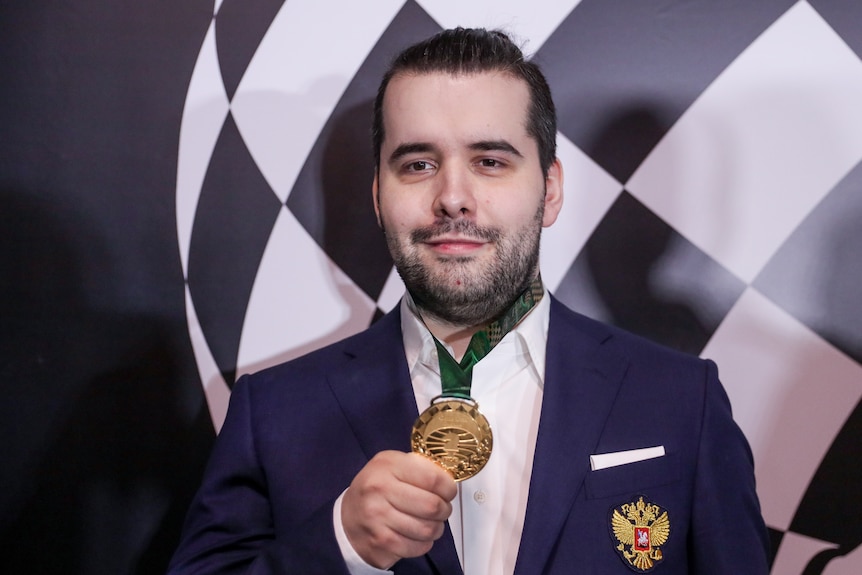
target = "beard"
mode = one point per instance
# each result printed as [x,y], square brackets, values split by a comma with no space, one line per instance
[463,290]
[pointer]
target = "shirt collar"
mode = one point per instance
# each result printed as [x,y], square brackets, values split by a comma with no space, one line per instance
[532,331]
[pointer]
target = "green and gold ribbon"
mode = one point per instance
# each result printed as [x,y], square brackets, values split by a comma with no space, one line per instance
[457,377]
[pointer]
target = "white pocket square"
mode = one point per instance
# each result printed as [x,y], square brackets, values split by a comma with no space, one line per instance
[605,460]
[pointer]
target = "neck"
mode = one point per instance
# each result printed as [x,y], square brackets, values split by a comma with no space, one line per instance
[459,337]
[456,336]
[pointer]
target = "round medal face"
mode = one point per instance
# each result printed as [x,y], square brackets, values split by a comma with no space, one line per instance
[453,433]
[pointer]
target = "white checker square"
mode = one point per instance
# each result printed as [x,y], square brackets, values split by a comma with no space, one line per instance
[205,110]
[280,115]
[300,300]
[791,393]
[392,291]
[530,22]
[215,388]
[588,193]
[796,551]
[846,565]
[748,161]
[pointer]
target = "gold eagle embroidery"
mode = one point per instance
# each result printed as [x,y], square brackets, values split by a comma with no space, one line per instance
[641,529]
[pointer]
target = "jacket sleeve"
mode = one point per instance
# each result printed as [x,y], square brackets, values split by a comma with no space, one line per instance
[230,529]
[727,534]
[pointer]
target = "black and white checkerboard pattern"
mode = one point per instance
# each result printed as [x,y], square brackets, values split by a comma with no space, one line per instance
[713,157]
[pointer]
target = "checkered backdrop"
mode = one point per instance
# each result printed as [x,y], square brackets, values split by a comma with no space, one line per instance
[713,203]
[713,162]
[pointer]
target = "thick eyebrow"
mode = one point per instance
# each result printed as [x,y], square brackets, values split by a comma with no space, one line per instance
[480,146]
[495,146]
[410,148]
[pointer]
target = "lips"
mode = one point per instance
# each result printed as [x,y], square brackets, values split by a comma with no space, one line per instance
[455,240]
[458,231]
[455,245]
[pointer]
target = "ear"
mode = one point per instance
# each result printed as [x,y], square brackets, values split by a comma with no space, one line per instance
[553,193]
[375,197]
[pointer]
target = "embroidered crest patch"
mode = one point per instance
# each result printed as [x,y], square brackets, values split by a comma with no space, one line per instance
[638,532]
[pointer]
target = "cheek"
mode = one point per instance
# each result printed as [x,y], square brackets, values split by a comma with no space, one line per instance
[514,204]
[395,222]
[516,215]
[405,213]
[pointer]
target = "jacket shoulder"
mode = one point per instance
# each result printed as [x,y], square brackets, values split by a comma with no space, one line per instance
[574,326]
[384,334]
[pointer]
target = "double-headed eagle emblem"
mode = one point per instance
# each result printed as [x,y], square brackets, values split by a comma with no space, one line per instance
[641,529]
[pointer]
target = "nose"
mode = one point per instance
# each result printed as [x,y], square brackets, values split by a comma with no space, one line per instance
[454,194]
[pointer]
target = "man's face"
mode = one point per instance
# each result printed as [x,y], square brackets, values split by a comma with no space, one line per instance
[460,192]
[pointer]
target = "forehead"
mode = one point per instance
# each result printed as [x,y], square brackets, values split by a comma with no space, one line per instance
[442,106]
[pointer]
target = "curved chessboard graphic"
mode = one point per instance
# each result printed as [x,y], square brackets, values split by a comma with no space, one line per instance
[713,200]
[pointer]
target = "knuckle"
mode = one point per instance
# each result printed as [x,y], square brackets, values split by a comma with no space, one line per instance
[416,548]
[438,532]
[430,531]
[427,508]
[441,510]
[422,532]
[385,540]
[423,547]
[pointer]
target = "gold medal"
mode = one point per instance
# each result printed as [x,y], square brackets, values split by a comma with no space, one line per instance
[454,434]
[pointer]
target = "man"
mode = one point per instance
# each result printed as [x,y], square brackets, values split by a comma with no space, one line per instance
[578,448]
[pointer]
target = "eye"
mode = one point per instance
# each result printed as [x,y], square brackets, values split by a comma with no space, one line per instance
[490,163]
[418,166]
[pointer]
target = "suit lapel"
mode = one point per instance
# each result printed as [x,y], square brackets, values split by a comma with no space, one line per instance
[374,392]
[581,381]
[373,387]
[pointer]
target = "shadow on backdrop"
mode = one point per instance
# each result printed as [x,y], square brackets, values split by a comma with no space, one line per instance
[96,477]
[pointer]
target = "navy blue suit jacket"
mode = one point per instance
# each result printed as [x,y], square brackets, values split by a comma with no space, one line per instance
[297,434]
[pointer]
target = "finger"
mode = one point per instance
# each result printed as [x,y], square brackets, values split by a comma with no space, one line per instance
[425,474]
[417,502]
[388,546]
[415,529]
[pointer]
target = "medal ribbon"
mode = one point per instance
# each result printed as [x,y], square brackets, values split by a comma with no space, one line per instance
[458,377]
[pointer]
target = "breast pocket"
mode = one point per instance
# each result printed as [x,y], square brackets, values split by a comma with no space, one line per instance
[632,477]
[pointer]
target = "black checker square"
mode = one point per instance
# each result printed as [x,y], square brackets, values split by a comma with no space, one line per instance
[623,71]
[831,509]
[775,538]
[236,212]
[332,194]
[816,275]
[638,273]
[240,26]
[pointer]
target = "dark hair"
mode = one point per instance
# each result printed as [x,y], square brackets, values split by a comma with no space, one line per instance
[470,51]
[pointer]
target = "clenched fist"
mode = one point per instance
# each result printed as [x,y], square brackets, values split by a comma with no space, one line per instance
[396,507]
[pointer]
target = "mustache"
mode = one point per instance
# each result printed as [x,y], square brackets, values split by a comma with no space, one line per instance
[460,227]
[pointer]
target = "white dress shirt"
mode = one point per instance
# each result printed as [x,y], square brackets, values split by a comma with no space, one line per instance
[488,512]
